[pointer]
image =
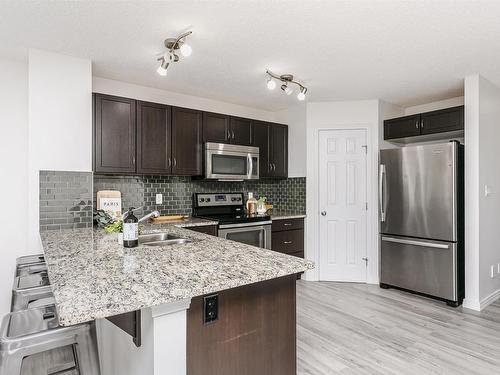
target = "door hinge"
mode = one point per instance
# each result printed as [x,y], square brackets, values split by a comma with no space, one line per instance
[366,206]
[366,148]
[366,261]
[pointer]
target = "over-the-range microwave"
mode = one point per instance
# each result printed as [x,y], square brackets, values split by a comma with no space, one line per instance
[231,162]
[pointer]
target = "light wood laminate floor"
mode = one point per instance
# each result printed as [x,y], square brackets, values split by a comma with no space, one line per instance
[362,329]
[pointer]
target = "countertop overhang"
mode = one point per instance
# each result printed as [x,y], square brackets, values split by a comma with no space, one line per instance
[92,276]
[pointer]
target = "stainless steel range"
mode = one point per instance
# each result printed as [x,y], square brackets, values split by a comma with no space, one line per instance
[234,223]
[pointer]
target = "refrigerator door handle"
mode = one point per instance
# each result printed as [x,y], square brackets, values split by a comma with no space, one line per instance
[416,243]
[381,191]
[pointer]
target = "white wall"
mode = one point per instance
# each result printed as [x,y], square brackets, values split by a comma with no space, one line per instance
[482,100]
[129,90]
[295,118]
[14,167]
[60,122]
[342,115]
[433,106]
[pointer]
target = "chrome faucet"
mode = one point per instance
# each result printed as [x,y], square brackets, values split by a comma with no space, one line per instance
[151,215]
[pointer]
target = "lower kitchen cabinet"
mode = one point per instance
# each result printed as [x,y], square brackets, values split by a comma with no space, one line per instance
[207,229]
[288,237]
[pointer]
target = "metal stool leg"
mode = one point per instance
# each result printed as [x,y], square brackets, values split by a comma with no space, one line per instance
[87,357]
[10,363]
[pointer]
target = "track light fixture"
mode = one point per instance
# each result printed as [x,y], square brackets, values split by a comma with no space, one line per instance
[286,80]
[173,45]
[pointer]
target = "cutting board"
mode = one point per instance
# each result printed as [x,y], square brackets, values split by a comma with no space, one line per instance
[110,201]
[163,219]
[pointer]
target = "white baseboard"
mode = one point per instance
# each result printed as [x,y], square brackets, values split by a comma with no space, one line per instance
[490,299]
[471,305]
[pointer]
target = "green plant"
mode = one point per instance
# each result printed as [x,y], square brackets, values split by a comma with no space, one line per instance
[262,200]
[102,219]
[116,227]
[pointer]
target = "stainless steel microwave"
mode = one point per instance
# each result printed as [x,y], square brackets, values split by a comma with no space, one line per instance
[231,162]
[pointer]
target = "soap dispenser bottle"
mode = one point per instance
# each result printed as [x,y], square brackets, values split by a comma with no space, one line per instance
[130,229]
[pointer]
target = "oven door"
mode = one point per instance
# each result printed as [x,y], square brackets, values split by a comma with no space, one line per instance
[255,235]
[231,162]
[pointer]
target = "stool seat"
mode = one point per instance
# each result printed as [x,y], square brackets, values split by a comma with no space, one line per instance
[28,332]
[31,281]
[31,269]
[30,259]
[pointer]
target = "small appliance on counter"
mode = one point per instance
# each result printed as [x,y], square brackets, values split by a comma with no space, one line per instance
[234,222]
[421,193]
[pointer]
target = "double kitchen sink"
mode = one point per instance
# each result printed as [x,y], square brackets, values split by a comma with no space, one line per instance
[161,239]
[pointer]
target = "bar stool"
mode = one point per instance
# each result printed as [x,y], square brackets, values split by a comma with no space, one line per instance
[30,259]
[30,288]
[31,269]
[29,332]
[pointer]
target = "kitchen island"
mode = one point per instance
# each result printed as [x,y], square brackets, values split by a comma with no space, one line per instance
[93,277]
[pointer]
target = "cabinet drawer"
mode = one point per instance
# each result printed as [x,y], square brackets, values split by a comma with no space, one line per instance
[290,241]
[207,229]
[299,254]
[287,224]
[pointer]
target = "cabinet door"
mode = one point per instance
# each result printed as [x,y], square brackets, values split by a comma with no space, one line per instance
[261,139]
[444,120]
[186,142]
[215,128]
[114,134]
[279,150]
[153,138]
[402,127]
[241,131]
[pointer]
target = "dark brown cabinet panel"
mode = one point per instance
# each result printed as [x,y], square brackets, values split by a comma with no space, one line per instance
[114,134]
[279,150]
[215,128]
[255,332]
[444,120]
[261,139]
[153,138]
[402,127]
[207,229]
[187,128]
[241,131]
[287,224]
[288,241]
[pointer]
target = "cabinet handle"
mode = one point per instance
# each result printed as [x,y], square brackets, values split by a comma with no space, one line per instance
[422,124]
[287,224]
[169,162]
[232,131]
[175,162]
[274,167]
[228,134]
[287,242]
[133,160]
[416,124]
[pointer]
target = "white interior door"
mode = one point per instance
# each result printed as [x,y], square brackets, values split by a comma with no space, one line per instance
[343,205]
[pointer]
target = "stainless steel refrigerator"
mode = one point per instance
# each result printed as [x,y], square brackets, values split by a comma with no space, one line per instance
[421,199]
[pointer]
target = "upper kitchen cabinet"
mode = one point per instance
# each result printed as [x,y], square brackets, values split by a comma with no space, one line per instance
[444,120]
[402,127]
[441,124]
[153,138]
[261,139]
[279,150]
[187,132]
[272,140]
[241,131]
[216,128]
[114,134]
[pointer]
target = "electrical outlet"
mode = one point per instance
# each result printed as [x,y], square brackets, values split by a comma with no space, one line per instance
[492,271]
[210,308]
[159,198]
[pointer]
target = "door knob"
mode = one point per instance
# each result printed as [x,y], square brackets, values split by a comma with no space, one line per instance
[323,213]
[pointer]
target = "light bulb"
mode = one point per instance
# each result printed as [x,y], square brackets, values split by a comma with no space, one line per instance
[302,94]
[286,89]
[186,50]
[162,69]
[271,85]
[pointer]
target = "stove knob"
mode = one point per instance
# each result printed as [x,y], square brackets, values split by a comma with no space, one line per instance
[208,199]
[202,199]
[233,199]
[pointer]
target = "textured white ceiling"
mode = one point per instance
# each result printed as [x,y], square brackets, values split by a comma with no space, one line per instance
[405,52]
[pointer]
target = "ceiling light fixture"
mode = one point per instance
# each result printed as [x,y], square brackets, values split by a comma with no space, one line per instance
[286,80]
[174,45]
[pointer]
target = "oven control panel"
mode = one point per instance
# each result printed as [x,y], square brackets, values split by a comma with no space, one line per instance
[219,199]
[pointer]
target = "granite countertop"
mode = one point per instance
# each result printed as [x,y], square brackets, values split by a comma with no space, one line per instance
[283,215]
[92,276]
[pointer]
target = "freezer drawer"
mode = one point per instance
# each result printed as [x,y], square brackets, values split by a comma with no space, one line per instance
[422,266]
[418,191]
